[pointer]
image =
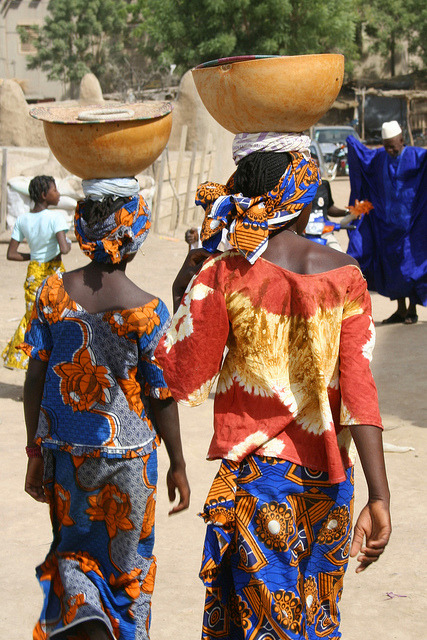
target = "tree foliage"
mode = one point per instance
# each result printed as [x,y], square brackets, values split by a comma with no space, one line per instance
[391,24]
[418,37]
[79,36]
[187,32]
[125,41]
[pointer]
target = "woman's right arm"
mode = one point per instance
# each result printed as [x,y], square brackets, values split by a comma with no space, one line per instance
[38,346]
[14,254]
[373,523]
[64,244]
[167,425]
[360,412]
[33,394]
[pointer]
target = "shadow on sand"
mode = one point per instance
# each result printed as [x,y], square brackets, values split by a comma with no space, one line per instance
[11,391]
[399,368]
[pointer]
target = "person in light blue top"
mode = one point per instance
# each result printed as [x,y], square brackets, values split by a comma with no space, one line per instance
[45,232]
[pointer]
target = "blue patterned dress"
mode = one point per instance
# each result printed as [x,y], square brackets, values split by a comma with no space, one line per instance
[100,462]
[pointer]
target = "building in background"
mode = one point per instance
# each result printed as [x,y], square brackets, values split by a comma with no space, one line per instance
[13,52]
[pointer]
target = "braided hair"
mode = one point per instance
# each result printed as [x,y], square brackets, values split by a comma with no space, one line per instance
[96,211]
[259,172]
[38,186]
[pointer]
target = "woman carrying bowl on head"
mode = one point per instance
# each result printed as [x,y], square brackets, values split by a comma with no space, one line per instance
[286,323]
[96,404]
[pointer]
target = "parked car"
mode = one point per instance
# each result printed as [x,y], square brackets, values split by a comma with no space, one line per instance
[333,142]
[315,149]
[329,138]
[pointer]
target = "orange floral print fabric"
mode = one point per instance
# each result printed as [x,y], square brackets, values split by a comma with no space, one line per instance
[121,233]
[83,383]
[111,506]
[100,566]
[101,374]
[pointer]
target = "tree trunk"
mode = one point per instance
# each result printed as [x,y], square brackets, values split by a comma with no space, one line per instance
[392,56]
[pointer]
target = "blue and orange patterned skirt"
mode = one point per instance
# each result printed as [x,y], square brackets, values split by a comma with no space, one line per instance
[100,567]
[276,550]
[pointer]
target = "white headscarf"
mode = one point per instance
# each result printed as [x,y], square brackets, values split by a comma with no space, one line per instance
[246,143]
[118,187]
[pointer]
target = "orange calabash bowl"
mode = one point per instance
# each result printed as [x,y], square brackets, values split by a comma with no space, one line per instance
[113,149]
[283,94]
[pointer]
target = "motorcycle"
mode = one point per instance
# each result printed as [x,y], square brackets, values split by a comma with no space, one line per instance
[317,227]
[339,163]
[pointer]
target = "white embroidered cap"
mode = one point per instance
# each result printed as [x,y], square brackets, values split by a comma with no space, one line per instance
[390,129]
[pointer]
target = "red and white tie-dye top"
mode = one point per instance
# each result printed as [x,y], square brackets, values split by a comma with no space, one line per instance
[296,372]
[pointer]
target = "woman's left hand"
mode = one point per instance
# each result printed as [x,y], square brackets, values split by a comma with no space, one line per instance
[34,479]
[176,479]
[374,526]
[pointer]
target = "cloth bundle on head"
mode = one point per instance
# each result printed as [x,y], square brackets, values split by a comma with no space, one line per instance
[251,220]
[116,187]
[114,234]
[247,143]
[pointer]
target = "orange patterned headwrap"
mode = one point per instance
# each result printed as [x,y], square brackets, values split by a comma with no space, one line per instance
[120,234]
[251,220]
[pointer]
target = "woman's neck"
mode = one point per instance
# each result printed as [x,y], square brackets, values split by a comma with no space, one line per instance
[106,267]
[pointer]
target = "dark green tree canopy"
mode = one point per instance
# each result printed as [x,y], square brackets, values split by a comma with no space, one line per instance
[188,32]
[124,41]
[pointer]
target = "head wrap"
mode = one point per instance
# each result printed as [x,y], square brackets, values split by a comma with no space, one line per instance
[97,189]
[246,143]
[120,234]
[250,221]
[390,129]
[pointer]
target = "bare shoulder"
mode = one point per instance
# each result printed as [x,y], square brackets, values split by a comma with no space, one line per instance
[301,255]
[344,259]
[71,275]
[72,279]
[98,289]
[138,297]
[127,295]
[322,258]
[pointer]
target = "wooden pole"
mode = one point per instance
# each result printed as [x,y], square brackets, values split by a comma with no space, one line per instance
[189,193]
[211,147]
[408,120]
[176,213]
[158,194]
[362,131]
[3,205]
[201,172]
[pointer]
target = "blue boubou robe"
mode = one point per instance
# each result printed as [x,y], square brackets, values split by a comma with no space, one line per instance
[390,242]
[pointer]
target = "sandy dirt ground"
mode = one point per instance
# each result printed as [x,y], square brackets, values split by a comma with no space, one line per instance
[387,602]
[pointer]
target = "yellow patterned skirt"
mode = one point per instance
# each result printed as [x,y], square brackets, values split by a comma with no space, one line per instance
[36,273]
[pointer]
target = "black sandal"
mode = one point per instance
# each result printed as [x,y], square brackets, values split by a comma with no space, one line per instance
[411,319]
[395,318]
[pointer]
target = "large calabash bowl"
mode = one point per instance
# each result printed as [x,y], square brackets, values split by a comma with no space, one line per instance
[106,142]
[250,94]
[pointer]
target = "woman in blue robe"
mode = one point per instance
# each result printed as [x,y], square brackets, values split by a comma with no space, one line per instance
[390,242]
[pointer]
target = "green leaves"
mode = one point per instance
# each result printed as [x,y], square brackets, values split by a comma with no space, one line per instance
[78,36]
[125,41]
[192,31]
[391,25]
